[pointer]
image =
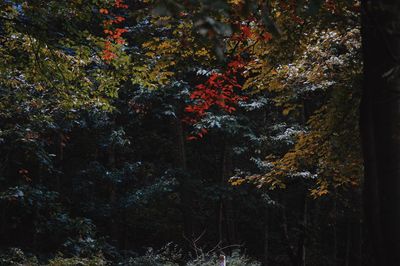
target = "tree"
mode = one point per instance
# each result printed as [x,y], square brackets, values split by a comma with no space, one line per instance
[380,127]
[207,125]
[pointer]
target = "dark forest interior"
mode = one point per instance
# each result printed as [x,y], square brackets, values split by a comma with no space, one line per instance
[245,132]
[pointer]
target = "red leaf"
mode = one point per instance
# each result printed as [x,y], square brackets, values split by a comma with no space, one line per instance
[246,31]
[191,138]
[267,36]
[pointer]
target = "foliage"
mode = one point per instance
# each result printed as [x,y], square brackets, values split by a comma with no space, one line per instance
[59,261]
[15,256]
[235,259]
[125,125]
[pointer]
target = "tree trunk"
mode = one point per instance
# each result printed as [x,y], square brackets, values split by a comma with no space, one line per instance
[285,233]
[380,127]
[59,151]
[301,249]
[266,237]
[226,203]
[220,222]
[179,154]
[114,221]
[334,254]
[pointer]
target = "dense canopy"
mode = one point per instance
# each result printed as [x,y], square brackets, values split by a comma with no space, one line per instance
[146,132]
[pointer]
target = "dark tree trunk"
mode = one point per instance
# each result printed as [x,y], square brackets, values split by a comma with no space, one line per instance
[59,151]
[380,127]
[266,236]
[220,222]
[226,219]
[355,229]
[301,249]
[348,245]
[179,154]
[226,205]
[334,253]
[290,250]
[113,222]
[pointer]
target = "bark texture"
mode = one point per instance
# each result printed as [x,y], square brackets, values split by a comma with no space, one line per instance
[380,126]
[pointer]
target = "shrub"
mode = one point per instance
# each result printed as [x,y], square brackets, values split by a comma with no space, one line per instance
[235,259]
[16,257]
[97,260]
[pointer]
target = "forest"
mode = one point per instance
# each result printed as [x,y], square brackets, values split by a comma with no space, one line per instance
[200,132]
